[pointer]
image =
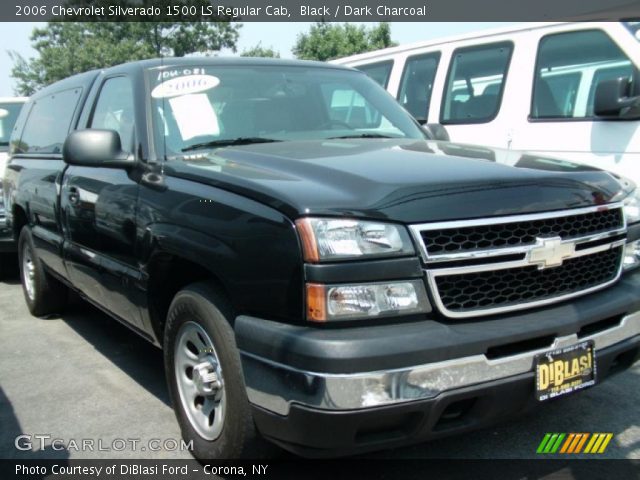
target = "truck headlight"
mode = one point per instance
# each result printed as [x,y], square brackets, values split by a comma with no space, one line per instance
[327,239]
[632,207]
[327,303]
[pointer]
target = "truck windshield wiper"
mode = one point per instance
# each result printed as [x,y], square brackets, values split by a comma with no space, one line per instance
[362,135]
[229,142]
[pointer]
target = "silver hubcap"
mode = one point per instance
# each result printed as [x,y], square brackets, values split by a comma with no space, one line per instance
[199,380]
[28,273]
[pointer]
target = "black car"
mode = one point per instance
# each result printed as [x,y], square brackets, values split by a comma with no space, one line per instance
[319,273]
[9,110]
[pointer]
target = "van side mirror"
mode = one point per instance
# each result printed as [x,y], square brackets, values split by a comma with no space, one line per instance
[96,148]
[437,131]
[613,100]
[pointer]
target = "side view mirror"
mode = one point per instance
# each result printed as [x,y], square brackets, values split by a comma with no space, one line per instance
[613,99]
[96,148]
[437,131]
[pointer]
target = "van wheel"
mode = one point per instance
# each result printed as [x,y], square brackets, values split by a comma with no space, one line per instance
[205,378]
[43,293]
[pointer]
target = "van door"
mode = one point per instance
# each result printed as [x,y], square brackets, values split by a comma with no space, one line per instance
[561,122]
[99,212]
[473,93]
[416,84]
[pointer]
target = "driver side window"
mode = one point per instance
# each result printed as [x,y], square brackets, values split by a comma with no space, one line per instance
[114,110]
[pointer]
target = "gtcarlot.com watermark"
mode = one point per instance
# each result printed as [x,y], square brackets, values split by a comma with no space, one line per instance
[26,442]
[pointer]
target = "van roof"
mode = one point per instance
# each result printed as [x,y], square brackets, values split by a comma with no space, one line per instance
[13,99]
[442,40]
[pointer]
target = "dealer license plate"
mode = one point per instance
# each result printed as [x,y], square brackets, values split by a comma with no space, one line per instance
[565,370]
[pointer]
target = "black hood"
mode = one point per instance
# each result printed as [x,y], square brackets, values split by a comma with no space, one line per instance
[401,180]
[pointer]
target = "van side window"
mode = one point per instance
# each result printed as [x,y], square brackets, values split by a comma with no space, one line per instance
[347,107]
[48,123]
[568,69]
[114,110]
[475,83]
[380,72]
[417,84]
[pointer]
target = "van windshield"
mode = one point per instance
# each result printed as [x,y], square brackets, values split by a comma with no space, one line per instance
[216,106]
[8,116]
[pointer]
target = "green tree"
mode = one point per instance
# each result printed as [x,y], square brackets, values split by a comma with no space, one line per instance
[66,48]
[260,51]
[325,41]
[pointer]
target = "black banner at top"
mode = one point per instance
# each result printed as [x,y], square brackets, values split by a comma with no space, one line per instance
[316,10]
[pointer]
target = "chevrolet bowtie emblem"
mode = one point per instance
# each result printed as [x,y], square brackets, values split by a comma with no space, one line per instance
[550,252]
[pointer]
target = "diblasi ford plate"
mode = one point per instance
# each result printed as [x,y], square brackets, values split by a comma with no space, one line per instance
[565,370]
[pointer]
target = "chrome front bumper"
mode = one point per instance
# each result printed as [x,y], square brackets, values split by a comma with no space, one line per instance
[274,387]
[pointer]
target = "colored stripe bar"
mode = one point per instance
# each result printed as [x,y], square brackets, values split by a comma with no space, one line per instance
[604,445]
[573,443]
[582,442]
[596,446]
[594,439]
[555,447]
[565,447]
[578,438]
[543,443]
[550,443]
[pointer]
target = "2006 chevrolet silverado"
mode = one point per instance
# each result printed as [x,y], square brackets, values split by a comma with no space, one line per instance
[318,272]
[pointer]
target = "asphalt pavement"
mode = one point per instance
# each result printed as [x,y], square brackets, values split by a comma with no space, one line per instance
[85,380]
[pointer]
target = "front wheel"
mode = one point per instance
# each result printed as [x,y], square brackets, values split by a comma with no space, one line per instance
[205,378]
[43,293]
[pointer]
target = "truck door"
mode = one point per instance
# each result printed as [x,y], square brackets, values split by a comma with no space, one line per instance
[99,211]
[38,156]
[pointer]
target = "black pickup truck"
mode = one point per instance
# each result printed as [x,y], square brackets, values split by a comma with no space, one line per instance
[318,272]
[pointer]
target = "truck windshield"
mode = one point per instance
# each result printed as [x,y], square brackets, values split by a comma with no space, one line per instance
[8,116]
[218,106]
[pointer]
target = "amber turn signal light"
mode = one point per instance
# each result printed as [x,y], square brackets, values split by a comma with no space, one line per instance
[309,245]
[316,303]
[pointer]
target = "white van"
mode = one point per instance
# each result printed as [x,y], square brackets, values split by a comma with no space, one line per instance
[9,109]
[570,90]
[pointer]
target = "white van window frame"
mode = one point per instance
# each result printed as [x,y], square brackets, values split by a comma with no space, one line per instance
[593,118]
[435,54]
[466,49]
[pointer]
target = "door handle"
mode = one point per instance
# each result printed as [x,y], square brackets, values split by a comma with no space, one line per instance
[73,195]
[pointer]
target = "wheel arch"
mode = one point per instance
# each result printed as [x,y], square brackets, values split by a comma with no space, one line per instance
[168,273]
[19,220]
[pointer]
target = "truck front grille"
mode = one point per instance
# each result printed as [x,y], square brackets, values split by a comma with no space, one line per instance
[496,265]
[514,286]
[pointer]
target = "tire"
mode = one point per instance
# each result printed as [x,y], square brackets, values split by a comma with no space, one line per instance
[198,334]
[43,293]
